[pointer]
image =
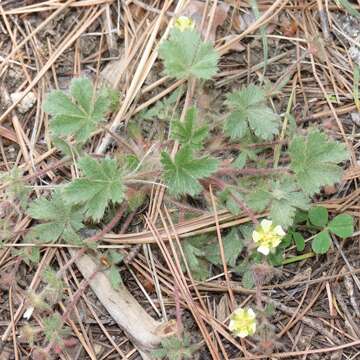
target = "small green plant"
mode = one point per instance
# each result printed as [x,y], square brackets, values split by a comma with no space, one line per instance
[239,173]
[175,348]
[185,55]
[78,113]
[249,113]
[341,225]
[101,183]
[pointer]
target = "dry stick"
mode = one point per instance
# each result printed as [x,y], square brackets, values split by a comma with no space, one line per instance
[222,254]
[34,283]
[141,328]
[40,27]
[262,20]
[52,5]
[288,355]
[13,324]
[143,69]
[181,282]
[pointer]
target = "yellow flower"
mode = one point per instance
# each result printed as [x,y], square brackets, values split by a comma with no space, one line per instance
[243,322]
[267,236]
[184,23]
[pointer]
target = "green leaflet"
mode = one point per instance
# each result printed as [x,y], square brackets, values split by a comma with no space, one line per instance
[78,113]
[182,174]
[186,55]
[314,160]
[100,185]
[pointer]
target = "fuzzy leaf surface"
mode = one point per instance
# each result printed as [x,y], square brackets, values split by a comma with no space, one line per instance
[182,174]
[60,221]
[186,55]
[249,110]
[314,160]
[101,184]
[187,133]
[78,112]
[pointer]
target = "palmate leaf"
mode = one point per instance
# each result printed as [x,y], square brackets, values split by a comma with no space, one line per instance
[187,133]
[314,160]
[186,55]
[101,183]
[182,174]
[79,112]
[283,197]
[60,221]
[249,111]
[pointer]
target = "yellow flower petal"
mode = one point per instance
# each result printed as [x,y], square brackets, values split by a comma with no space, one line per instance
[266,225]
[264,250]
[243,322]
[184,23]
[267,236]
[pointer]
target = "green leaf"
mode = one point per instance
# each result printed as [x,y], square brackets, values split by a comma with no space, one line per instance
[51,278]
[276,258]
[115,257]
[163,109]
[186,55]
[182,174]
[101,184]
[30,255]
[286,241]
[61,220]
[321,242]
[349,8]
[284,198]
[314,161]
[228,200]
[115,277]
[194,252]
[53,328]
[319,216]
[17,189]
[233,246]
[79,112]
[187,133]
[240,161]
[250,111]
[342,225]
[299,241]
[175,348]
[248,280]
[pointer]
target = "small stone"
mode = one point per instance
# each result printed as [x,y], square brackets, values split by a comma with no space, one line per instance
[26,103]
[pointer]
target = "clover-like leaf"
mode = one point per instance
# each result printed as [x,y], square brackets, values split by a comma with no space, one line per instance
[319,216]
[342,225]
[321,242]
